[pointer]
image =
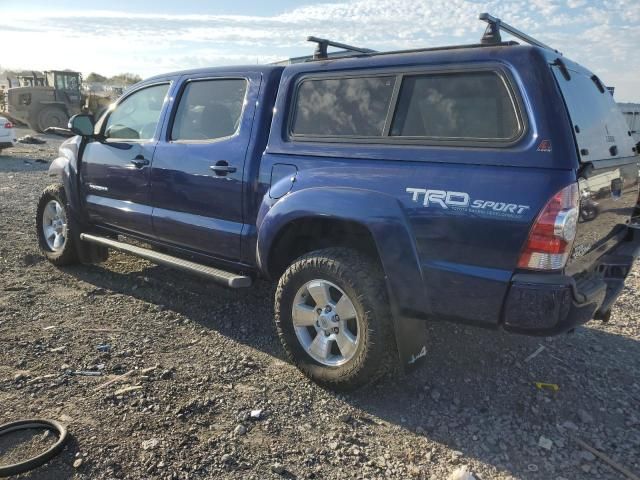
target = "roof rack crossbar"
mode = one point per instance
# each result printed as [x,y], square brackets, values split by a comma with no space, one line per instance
[492,33]
[323,44]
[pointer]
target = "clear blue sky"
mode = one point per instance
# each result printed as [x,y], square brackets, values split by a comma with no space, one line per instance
[147,37]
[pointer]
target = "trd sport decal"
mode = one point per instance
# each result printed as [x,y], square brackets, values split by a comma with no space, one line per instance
[462,202]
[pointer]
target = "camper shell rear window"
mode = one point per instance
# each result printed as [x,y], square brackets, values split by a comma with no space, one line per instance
[600,130]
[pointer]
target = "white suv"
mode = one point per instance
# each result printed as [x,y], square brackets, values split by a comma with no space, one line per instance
[7,134]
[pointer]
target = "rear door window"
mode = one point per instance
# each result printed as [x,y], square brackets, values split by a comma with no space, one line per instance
[209,109]
[456,106]
[342,107]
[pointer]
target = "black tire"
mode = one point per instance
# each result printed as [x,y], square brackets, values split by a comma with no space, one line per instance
[42,458]
[52,117]
[362,280]
[32,121]
[588,213]
[68,253]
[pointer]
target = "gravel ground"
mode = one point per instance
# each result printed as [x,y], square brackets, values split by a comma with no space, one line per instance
[211,396]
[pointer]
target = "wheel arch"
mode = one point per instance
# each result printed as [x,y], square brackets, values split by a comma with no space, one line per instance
[379,225]
[65,168]
[304,234]
[376,216]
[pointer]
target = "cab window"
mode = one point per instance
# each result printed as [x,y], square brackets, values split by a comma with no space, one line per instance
[66,82]
[137,116]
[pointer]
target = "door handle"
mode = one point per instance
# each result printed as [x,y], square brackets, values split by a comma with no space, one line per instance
[139,161]
[222,168]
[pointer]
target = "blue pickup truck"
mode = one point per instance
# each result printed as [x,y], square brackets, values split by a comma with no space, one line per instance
[493,184]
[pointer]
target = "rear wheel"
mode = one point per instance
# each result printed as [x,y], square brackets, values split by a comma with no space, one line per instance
[333,318]
[52,117]
[55,235]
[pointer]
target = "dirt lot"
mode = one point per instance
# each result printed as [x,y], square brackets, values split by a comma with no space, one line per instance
[204,358]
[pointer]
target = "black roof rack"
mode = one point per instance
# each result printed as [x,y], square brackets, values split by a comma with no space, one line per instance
[346,54]
[491,37]
[323,44]
[492,33]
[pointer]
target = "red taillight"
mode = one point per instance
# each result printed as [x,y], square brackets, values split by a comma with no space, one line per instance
[8,125]
[551,237]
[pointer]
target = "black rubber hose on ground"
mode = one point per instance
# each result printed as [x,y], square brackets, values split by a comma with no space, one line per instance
[31,463]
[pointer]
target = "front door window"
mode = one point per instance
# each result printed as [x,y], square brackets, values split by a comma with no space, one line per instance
[137,116]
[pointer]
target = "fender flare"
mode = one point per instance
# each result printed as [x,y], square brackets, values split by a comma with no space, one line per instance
[66,168]
[383,216]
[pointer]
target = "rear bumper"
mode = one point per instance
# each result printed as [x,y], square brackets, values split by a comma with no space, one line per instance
[547,304]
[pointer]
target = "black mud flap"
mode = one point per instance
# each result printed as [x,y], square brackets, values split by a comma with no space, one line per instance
[411,340]
[88,253]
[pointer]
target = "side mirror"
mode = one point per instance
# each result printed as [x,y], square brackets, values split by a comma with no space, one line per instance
[82,124]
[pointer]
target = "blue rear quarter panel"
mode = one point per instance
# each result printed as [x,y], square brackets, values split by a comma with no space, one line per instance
[447,263]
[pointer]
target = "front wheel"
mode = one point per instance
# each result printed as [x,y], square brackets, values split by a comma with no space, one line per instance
[55,236]
[333,318]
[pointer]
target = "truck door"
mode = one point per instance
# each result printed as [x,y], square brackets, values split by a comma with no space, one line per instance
[115,171]
[198,167]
